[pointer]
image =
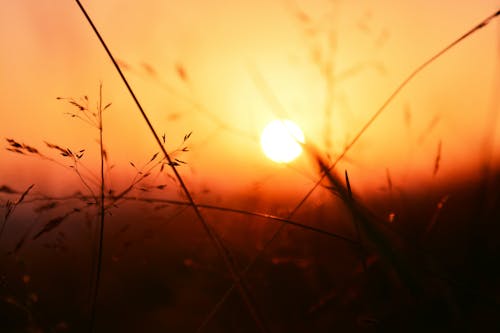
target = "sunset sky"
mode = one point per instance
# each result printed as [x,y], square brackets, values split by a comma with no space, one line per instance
[230,51]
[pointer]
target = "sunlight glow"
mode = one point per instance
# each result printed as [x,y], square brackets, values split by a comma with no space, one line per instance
[280,141]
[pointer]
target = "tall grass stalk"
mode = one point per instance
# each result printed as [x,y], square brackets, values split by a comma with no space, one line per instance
[214,237]
[97,278]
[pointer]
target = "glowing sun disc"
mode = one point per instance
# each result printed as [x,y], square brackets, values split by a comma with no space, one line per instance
[279,141]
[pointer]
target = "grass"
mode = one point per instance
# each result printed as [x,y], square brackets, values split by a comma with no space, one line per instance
[377,247]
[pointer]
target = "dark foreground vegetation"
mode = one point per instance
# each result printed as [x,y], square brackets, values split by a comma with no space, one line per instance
[161,274]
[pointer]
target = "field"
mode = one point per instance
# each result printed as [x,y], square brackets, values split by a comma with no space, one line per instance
[387,222]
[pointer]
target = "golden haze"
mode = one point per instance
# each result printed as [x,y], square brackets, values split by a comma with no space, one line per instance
[225,49]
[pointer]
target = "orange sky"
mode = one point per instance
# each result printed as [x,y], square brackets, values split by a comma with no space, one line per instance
[48,50]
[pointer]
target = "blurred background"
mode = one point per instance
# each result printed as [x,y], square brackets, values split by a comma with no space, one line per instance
[208,67]
[210,75]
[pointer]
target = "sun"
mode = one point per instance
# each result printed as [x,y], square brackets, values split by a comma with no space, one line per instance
[281,141]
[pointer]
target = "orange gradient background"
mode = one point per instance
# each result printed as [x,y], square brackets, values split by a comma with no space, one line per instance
[48,50]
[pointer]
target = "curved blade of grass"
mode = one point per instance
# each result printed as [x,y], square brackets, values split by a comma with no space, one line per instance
[266,216]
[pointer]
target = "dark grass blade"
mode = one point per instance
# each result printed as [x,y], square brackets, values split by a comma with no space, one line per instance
[362,250]
[54,223]
[11,206]
[369,228]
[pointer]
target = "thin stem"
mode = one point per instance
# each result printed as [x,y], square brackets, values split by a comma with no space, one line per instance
[214,237]
[281,220]
[101,220]
[84,182]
